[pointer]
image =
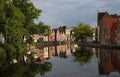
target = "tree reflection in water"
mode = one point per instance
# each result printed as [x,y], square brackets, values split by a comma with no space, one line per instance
[20,69]
[83,55]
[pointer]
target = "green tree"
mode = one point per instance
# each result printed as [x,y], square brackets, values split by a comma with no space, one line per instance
[82,31]
[11,26]
[44,29]
[34,29]
[11,19]
[16,21]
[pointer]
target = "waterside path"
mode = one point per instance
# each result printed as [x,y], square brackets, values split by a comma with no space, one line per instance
[97,45]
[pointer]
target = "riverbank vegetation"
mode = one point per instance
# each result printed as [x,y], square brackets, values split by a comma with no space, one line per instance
[17,23]
[82,31]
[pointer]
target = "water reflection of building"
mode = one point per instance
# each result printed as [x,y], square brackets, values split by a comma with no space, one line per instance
[62,51]
[109,61]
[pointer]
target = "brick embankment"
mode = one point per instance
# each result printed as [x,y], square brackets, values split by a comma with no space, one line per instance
[47,44]
[100,45]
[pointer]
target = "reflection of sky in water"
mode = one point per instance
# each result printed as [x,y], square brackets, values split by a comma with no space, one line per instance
[67,68]
[113,74]
[63,64]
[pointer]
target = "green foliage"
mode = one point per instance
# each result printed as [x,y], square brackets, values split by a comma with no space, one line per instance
[83,55]
[10,51]
[2,15]
[44,29]
[46,67]
[12,23]
[29,40]
[2,56]
[34,30]
[29,11]
[24,70]
[82,31]
[16,22]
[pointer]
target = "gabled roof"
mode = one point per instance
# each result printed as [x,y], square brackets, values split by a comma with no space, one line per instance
[63,27]
[101,15]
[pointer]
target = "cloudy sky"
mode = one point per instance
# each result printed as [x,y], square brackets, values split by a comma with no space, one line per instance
[72,12]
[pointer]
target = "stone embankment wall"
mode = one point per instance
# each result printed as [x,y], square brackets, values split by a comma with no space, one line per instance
[116,46]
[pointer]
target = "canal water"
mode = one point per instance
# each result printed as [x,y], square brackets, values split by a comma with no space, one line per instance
[66,61]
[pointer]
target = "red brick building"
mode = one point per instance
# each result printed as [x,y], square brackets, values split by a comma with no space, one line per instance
[107,25]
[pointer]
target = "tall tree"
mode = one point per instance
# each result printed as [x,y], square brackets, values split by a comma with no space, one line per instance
[16,19]
[11,26]
[82,31]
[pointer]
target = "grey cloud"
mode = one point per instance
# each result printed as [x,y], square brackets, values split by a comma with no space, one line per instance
[72,12]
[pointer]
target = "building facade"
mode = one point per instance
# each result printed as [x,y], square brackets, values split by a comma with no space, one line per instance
[61,34]
[107,27]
